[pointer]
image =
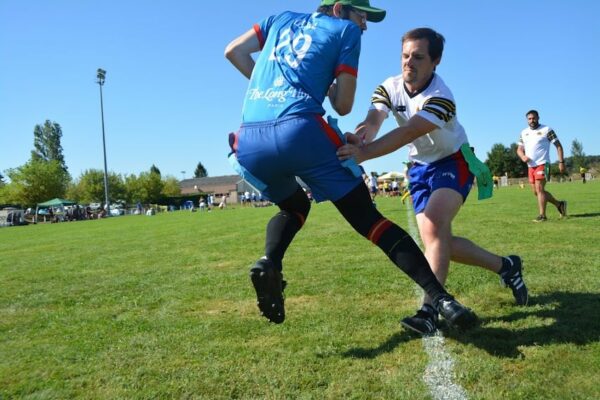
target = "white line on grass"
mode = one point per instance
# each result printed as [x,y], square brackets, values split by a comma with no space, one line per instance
[439,374]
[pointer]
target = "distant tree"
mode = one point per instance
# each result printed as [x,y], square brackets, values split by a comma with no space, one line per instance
[200,171]
[151,187]
[134,192]
[502,160]
[5,194]
[171,187]
[154,170]
[46,143]
[496,158]
[3,191]
[89,187]
[36,182]
[577,155]
[514,166]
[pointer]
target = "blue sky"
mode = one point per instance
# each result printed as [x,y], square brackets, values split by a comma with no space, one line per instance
[170,97]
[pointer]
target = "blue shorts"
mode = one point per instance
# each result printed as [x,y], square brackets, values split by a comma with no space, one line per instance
[304,146]
[451,172]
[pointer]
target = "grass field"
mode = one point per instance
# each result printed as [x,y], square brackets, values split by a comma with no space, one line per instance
[162,307]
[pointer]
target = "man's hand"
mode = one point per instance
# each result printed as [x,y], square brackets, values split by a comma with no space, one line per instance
[352,148]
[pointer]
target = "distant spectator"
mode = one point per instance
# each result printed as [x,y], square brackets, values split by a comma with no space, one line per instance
[582,172]
[394,187]
[373,186]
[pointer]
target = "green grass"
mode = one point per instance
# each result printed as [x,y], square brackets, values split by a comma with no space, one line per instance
[162,307]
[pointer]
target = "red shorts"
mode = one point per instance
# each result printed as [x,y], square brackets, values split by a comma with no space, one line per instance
[537,173]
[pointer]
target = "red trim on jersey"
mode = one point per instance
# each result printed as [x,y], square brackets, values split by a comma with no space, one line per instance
[331,134]
[378,229]
[462,168]
[261,39]
[346,68]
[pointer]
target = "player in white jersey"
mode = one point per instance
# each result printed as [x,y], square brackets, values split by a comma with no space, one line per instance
[440,178]
[534,149]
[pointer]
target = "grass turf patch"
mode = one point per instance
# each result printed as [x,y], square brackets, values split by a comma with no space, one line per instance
[155,307]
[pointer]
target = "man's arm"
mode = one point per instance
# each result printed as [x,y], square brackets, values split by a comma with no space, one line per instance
[239,51]
[415,127]
[521,153]
[341,93]
[561,158]
[368,129]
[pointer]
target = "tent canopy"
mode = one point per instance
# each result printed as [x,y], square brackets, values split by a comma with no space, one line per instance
[390,176]
[56,203]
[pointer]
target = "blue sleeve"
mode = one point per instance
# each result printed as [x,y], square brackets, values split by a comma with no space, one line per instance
[350,51]
[262,29]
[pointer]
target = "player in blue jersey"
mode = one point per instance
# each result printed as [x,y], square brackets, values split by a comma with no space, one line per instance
[305,58]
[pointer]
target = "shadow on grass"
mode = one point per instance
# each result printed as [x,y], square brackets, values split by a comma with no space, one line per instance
[386,347]
[567,318]
[586,215]
[572,319]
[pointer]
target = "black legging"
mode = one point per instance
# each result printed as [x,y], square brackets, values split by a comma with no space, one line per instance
[358,209]
[282,228]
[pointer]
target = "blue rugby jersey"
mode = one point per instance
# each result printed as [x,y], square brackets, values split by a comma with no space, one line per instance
[301,55]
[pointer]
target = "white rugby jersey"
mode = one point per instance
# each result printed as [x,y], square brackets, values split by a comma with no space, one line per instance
[536,143]
[436,104]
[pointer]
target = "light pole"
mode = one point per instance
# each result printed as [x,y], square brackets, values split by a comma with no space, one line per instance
[182,175]
[101,76]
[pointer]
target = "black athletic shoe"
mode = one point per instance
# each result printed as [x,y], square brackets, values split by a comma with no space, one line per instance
[424,322]
[513,278]
[457,315]
[540,218]
[562,208]
[269,284]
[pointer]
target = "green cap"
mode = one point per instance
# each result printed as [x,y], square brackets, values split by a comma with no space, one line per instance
[373,14]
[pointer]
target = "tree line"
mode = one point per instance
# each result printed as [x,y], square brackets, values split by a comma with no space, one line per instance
[46,176]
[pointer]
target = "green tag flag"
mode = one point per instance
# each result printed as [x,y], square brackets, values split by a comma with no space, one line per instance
[485,185]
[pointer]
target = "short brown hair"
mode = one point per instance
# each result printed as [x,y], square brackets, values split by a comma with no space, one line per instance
[436,40]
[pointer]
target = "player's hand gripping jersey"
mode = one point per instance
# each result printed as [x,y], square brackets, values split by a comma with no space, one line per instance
[436,104]
[301,55]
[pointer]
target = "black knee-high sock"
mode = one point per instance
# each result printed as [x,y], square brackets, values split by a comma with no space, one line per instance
[282,228]
[395,242]
[406,254]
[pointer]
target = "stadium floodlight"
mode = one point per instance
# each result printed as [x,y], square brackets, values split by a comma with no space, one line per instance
[101,75]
